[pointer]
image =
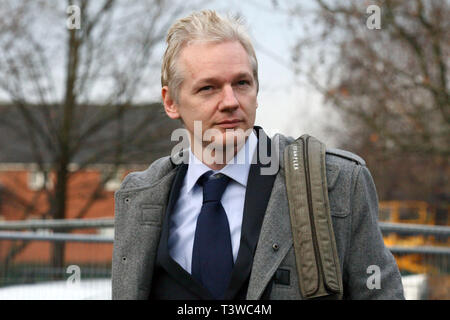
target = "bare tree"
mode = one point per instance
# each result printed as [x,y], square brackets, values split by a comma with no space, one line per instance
[387,76]
[392,80]
[74,73]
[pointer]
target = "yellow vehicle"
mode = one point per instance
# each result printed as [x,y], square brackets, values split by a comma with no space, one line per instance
[411,212]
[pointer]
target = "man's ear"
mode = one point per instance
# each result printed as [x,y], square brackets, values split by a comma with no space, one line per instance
[170,106]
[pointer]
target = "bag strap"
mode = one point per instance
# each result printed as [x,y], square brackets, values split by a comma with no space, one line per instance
[315,249]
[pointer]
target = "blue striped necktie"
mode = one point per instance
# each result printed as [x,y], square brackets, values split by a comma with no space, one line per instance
[212,257]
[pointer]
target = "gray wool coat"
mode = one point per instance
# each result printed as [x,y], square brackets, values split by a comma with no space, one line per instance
[141,201]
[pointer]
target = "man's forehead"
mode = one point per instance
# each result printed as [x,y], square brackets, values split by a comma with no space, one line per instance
[209,60]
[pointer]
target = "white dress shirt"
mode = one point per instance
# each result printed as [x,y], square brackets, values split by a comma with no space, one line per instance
[183,220]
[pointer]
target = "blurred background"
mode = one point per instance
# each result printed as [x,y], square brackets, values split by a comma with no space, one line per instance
[80,108]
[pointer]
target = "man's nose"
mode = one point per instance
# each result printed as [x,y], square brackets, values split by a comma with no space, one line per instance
[229,100]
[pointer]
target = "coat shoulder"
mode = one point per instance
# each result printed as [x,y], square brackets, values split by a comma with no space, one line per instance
[339,155]
[154,172]
[341,166]
[333,155]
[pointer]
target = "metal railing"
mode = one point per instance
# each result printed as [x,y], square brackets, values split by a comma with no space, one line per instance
[414,229]
[55,224]
[60,237]
[403,229]
[68,224]
[50,232]
[27,268]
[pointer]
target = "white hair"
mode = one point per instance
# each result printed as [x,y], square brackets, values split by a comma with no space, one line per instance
[203,26]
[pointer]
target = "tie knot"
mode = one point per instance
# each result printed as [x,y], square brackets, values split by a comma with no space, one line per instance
[213,186]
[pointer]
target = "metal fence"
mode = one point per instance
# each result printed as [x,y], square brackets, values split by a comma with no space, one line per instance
[422,253]
[29,270]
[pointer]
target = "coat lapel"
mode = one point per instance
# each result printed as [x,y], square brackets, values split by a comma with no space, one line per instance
[257,196]
[275,238]
[138,219]
[274,242]
[139,214]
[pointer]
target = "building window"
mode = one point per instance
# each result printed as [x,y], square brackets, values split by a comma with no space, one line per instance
[114,182]
[37,179]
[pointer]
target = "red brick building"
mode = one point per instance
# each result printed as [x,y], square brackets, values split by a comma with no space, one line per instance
[22,198]
[24,189]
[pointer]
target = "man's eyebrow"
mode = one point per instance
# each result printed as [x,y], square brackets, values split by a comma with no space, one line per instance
[215,79]
[243,74]
[203,80]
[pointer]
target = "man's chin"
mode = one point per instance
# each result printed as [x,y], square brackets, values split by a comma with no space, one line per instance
[225,144]
[232,138]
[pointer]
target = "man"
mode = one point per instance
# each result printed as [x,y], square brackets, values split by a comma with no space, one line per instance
[202,225]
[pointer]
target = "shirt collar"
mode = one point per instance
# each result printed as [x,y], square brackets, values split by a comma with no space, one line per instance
[237,169]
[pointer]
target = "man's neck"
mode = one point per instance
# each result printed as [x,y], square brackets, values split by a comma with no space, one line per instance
[217,158]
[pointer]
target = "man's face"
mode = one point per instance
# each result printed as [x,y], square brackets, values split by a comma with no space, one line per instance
[218,89]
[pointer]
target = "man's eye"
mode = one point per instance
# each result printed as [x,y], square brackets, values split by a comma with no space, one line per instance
[243,82]
[205,88]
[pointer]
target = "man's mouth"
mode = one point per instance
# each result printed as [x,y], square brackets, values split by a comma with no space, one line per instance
[229,124]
